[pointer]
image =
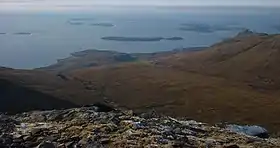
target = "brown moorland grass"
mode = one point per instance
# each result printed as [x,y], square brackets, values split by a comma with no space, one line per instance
[235,81]
[143,86]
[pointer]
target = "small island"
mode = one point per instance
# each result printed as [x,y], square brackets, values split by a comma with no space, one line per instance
[79,21]
[75,23]
[174,38]
[206,28]
[203,28]
[226,28]
[103,24]
[248,32]
[140,39]
[23,33]
[133,39]
[2,33]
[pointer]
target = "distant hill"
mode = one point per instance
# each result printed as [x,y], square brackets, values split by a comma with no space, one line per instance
[94,58]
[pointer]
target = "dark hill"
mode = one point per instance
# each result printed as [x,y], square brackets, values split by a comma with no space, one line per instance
[59,86]
[15,98]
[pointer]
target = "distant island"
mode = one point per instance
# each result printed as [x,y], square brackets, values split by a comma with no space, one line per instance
[22,33]
[2,33]
[79,21]
[131,39]
[248,32]
[205,28]
[75,23]
[174,38]
[103,24]
[140,39]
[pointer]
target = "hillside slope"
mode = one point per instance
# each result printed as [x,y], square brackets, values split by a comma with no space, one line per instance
[15,98]
[178,93]
[253,60]
[234,81]
[55,85]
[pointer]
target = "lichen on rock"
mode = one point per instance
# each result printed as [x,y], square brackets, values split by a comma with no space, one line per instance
[87,127]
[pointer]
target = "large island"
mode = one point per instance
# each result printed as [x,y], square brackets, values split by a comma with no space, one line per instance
[22,33]
[140,39]
[206,28]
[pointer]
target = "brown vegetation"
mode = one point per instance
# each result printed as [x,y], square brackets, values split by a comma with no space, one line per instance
[235,81]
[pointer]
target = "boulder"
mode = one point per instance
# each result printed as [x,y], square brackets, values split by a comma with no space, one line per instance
[249,130]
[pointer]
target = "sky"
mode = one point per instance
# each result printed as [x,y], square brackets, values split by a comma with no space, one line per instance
[82,4]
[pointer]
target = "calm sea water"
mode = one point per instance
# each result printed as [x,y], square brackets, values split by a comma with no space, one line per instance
[56,35]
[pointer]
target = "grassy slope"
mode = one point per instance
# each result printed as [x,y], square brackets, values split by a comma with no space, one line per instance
[235,81]
[15,98]
[253,60]
[217,84]
[66,89]
[180,93]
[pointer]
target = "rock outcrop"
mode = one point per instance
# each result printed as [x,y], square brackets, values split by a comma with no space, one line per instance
[86,127]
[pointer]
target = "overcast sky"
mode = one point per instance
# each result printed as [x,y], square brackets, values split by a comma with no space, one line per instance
[68,4]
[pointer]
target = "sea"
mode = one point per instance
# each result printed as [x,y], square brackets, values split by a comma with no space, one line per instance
[35,39]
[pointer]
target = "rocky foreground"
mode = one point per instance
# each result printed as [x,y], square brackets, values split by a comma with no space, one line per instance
[90,127]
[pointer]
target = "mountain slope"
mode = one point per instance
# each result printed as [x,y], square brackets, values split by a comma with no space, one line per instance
[15,98]
[179,93]
[234,81]
[253,60]
[56,85]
